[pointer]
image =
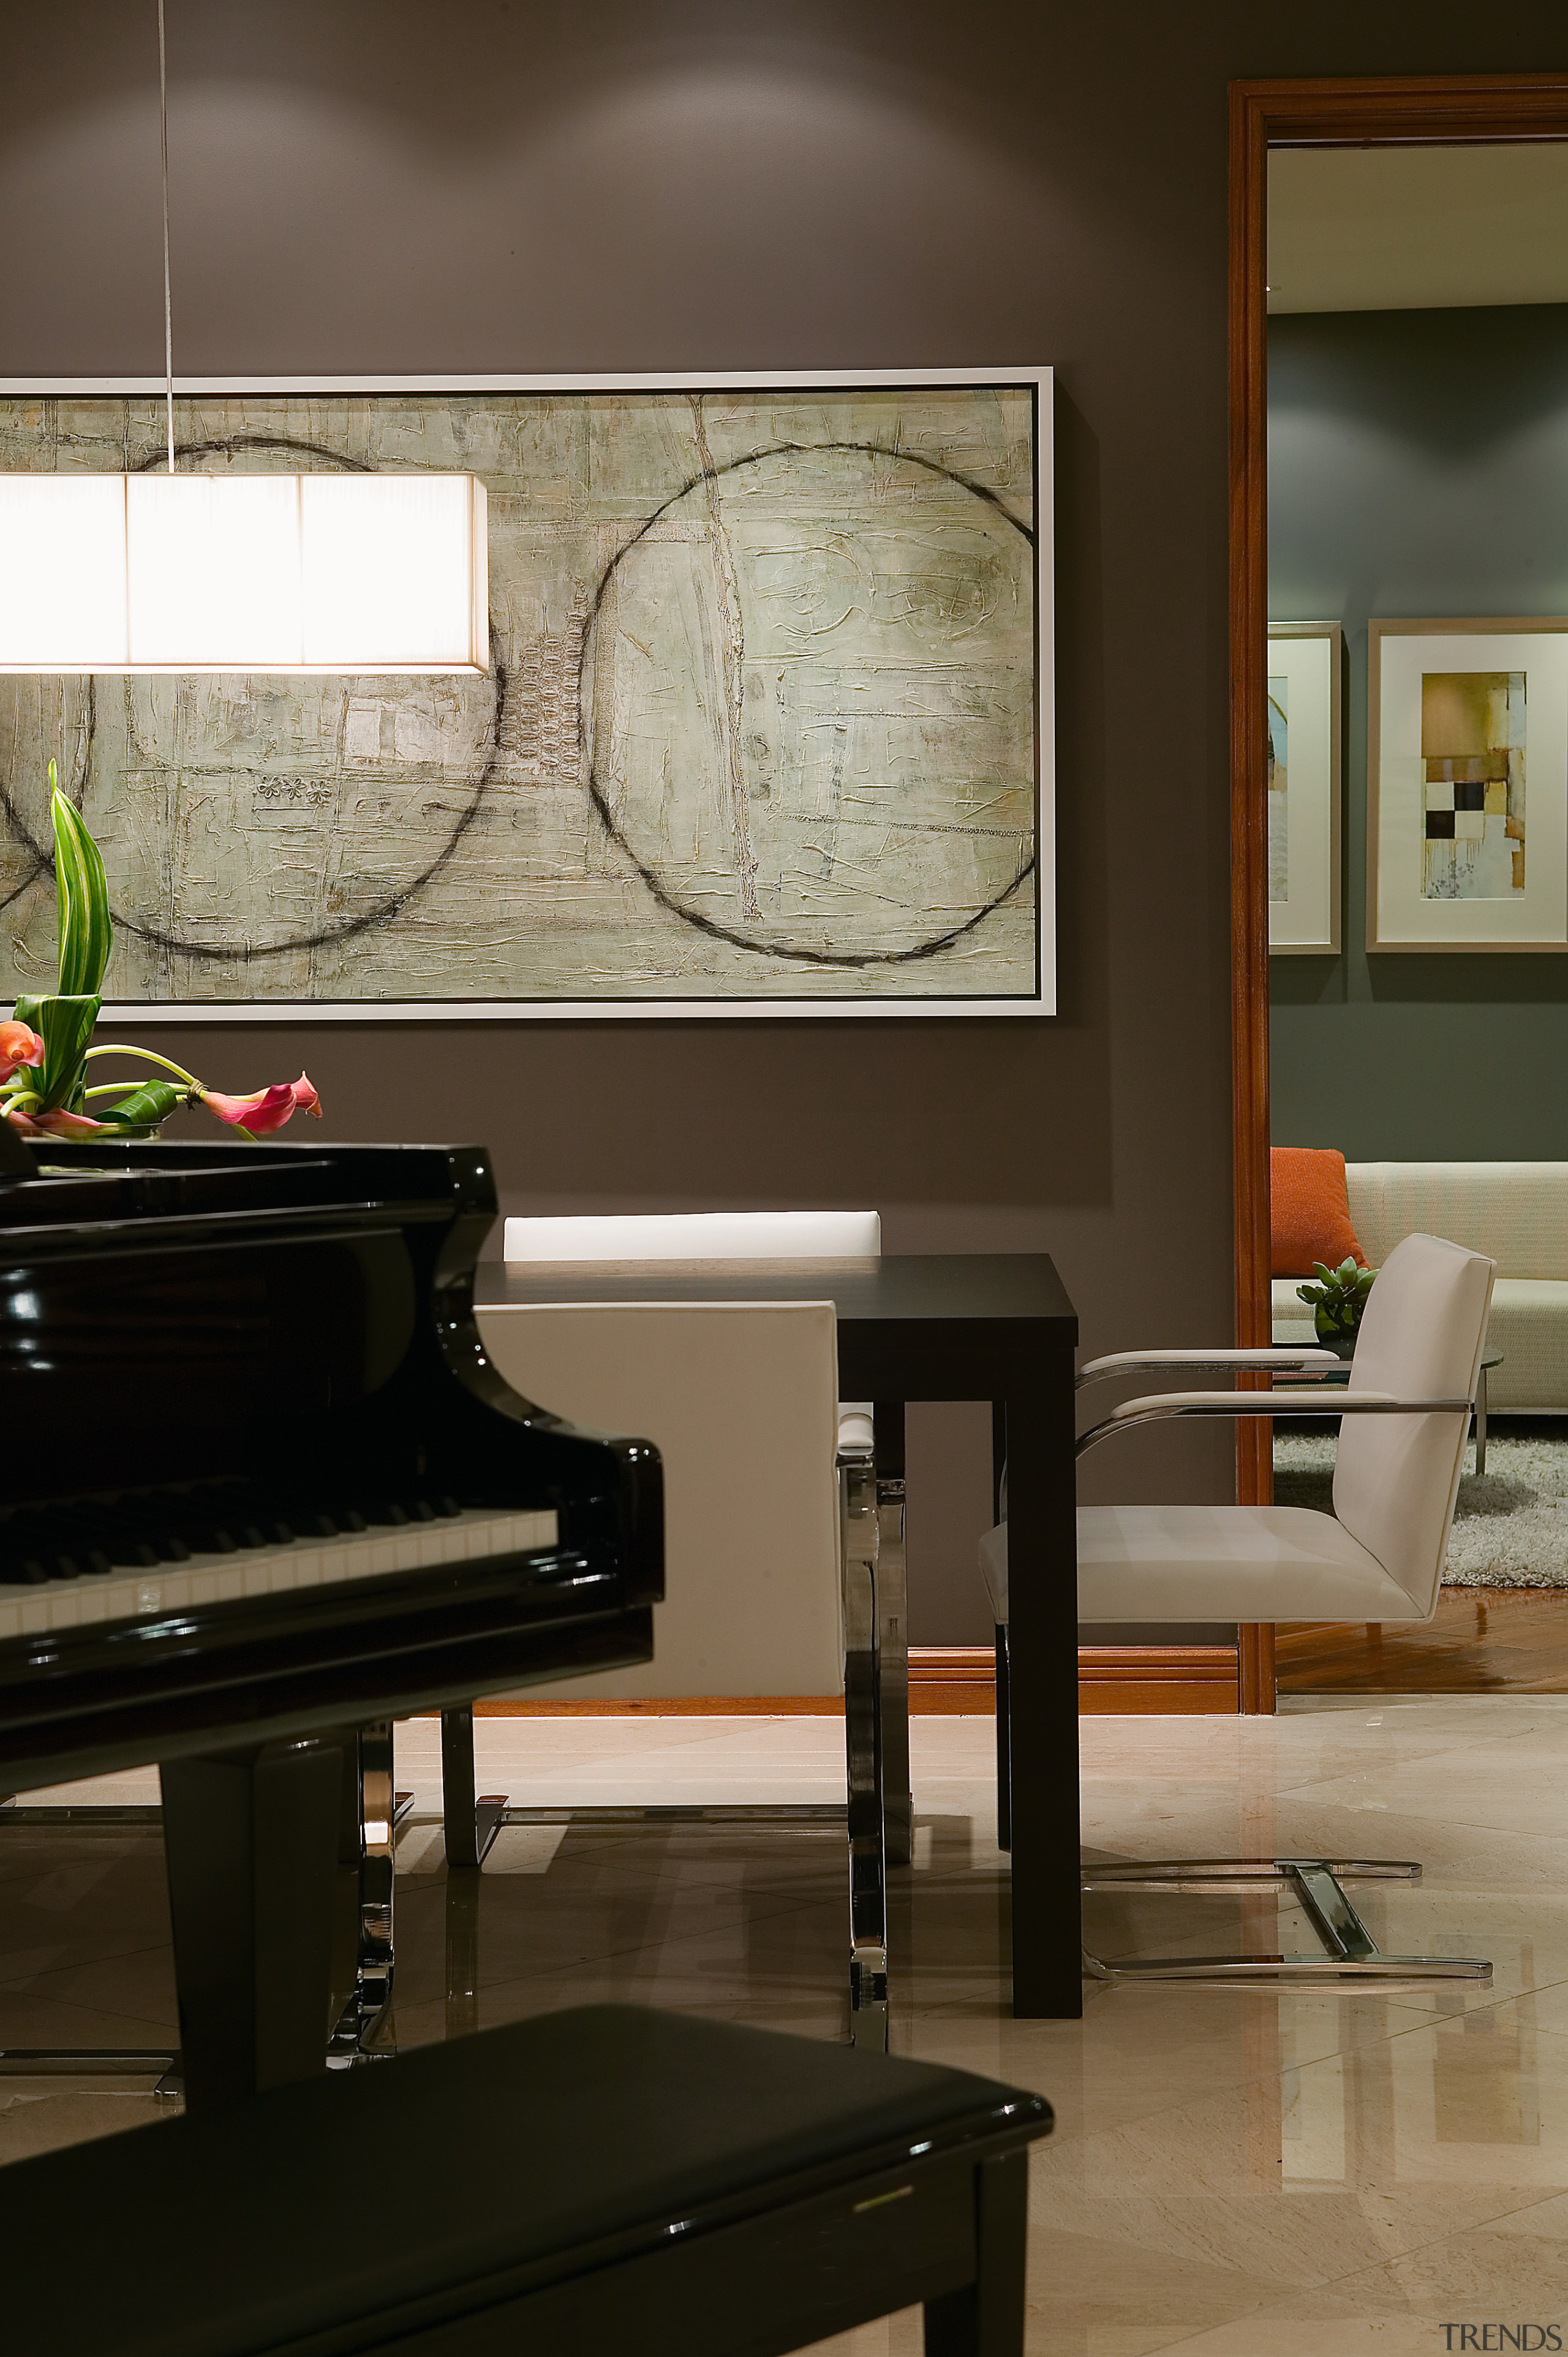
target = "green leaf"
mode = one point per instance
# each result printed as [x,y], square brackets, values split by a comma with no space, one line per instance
[65,1027]
[86,933]
[147,1106]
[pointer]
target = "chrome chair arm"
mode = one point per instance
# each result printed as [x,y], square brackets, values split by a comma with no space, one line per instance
[1159,1407]
[1304,1359]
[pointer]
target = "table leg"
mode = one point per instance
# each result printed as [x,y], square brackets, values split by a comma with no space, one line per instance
[1481,1422]
[893,1632]
[1003,1722]
[1042,1682]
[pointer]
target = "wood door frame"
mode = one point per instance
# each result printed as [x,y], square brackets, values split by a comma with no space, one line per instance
[1461,110]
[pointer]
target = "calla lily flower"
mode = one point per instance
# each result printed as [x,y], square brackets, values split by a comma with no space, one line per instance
[59,1124]
[18,1045]
[265,1109]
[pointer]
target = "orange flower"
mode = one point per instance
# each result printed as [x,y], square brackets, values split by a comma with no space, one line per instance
[18,1045]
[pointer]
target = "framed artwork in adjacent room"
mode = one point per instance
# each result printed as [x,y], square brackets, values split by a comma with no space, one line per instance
[768,727]
[1303,729]
[1468,784]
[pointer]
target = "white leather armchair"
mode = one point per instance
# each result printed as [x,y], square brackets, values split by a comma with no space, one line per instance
[1379,1556]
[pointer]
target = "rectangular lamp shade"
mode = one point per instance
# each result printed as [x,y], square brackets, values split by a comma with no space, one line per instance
[277,573]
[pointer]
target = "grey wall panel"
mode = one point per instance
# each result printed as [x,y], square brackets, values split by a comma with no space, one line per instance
[1418,465]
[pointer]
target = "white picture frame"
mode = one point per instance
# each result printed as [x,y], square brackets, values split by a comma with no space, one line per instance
[778,996]
[1306,663]
[1494,880]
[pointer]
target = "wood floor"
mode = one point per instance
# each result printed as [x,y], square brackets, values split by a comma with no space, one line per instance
[1483,1641]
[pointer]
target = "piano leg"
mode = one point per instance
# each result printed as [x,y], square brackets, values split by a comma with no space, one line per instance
[370,1811]
[471,1823]
[251,1841]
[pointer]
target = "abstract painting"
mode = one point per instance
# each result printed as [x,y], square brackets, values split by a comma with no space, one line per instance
[1467,785]
[1303,784]
[1472,757]
[1279,787]
[768,724]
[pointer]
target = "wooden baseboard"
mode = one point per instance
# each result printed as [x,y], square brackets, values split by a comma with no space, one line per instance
[1144,1679]
[948,1681]
[674,1706]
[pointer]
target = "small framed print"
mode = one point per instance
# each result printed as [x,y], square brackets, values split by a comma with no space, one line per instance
[1468,784]
[1305,660]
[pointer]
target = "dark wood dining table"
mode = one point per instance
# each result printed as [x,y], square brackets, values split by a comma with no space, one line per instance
[947,1326]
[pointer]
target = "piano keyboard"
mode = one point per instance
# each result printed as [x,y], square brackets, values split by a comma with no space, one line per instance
[209,1577]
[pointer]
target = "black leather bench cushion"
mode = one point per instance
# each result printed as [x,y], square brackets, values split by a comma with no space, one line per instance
[347,2196]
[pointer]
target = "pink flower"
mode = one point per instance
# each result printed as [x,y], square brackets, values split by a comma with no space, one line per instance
[59,1124]
[264,1109]
[18,1045]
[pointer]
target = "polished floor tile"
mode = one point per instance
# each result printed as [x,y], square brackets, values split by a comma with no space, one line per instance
[1234,2172]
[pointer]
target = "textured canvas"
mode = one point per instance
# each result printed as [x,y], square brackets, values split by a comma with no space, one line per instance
[762,722]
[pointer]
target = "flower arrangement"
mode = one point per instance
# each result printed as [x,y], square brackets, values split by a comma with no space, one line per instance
[47,1051]
[1337,1300]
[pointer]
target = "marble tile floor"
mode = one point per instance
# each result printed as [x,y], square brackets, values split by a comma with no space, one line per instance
[1234,2173]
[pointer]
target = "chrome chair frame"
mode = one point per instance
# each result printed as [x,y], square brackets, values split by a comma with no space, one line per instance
[877,1813]
[1349,1952]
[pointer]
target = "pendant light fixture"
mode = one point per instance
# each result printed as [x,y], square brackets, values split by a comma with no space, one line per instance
[277,573]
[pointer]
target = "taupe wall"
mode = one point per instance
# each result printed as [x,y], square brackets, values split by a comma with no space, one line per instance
[504,184]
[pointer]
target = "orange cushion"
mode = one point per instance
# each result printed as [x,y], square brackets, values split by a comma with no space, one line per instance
[1311,1210]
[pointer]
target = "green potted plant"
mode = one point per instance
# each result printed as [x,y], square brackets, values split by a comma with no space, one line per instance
[1337,1300]
[46,1055]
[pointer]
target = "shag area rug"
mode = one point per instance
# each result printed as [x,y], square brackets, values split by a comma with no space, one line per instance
[1510,1525]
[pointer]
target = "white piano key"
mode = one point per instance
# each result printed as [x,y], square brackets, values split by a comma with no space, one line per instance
[209,1579]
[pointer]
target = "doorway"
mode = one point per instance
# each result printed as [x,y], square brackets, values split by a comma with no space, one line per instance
[1389,124]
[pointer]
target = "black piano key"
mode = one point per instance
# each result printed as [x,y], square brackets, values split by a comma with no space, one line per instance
[142,1531]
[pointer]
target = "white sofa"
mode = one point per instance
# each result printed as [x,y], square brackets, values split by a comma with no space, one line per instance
[1515,1212]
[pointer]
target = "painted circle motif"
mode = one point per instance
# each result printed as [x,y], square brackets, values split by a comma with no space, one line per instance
[840,680]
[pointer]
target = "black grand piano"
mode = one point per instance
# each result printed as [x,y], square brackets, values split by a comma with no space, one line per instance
[264,1495]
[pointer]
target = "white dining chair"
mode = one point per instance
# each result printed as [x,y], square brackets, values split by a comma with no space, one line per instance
[1379,1556]
[784,1565]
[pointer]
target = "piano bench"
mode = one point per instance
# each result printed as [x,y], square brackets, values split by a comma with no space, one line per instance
[610,2177]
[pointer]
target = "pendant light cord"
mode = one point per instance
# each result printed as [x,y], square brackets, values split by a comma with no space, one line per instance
[168,311]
